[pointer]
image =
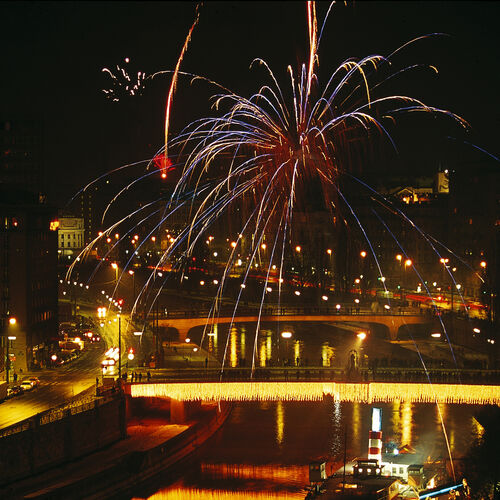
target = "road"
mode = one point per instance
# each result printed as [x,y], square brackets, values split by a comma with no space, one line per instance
[57,386]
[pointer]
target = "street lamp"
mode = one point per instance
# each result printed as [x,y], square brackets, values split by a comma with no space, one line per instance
[9,339]
[286,335]
[132,273]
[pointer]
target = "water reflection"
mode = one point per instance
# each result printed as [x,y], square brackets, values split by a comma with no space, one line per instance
[280,422]
[199,494]
[311,344]
[264,449]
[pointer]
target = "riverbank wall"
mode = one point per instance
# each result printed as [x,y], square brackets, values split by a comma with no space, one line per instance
[58,436]
[116,471]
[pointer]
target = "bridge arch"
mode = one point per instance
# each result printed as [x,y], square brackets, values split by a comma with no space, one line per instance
[392,322]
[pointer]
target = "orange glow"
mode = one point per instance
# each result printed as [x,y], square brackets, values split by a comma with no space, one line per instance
[399,257]
[54,225]
[363,254]
[233,244]
[215,494]
[114,265]
[12,321]
[298,248]
[408,262]
[315,391]
[483,264]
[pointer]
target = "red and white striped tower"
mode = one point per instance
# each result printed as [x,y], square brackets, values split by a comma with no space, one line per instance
[375,436]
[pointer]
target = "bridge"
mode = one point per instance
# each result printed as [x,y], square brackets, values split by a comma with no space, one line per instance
[364,392]
[313,384]
[392,321]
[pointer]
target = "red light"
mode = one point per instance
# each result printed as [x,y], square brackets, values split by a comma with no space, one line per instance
[163,164]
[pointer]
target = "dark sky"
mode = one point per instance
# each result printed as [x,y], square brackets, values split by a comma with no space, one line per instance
[53,54]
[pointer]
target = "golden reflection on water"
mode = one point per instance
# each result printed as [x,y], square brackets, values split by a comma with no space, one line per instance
[233,347]
[280,422]
[401,421]
[406,423]
[199,494]
[477,429]
[243,338]
[356,422]
[262,353]
[271,476]
[278,474]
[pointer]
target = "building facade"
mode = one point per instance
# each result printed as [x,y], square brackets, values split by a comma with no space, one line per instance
[71,236]
[28,280]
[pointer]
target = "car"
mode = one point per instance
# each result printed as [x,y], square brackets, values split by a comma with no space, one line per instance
[35,381]
[26,385]
[15,390]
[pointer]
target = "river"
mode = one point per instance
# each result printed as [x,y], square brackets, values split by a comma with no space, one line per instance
[264,449]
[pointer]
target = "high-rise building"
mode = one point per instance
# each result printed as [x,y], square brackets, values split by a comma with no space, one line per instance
[28,278]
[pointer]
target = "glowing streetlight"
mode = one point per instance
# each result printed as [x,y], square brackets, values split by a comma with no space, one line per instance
[399,257]
[298,248]
[483,264]
[363,254]
[12,321]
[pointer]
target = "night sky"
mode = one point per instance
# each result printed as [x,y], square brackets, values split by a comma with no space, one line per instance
[53,54]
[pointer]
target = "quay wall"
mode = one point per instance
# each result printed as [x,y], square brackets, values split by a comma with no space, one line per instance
[50,439]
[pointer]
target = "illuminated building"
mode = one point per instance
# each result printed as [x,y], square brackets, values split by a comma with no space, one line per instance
[71,236]
[28,275]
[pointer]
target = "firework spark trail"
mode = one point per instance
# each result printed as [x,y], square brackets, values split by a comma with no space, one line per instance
[387,204]
[122,191]
[122,238]
[441,419]
[103,176]
[374,255]
[174,80]
[428,293]
[285,146]
[235,309]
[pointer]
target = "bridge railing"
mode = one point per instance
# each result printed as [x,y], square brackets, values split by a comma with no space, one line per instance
[283,311]
[284,374]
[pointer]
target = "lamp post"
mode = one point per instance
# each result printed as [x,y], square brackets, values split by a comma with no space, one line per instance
[132,273]
[286,335]
[119,348]
[9,339]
